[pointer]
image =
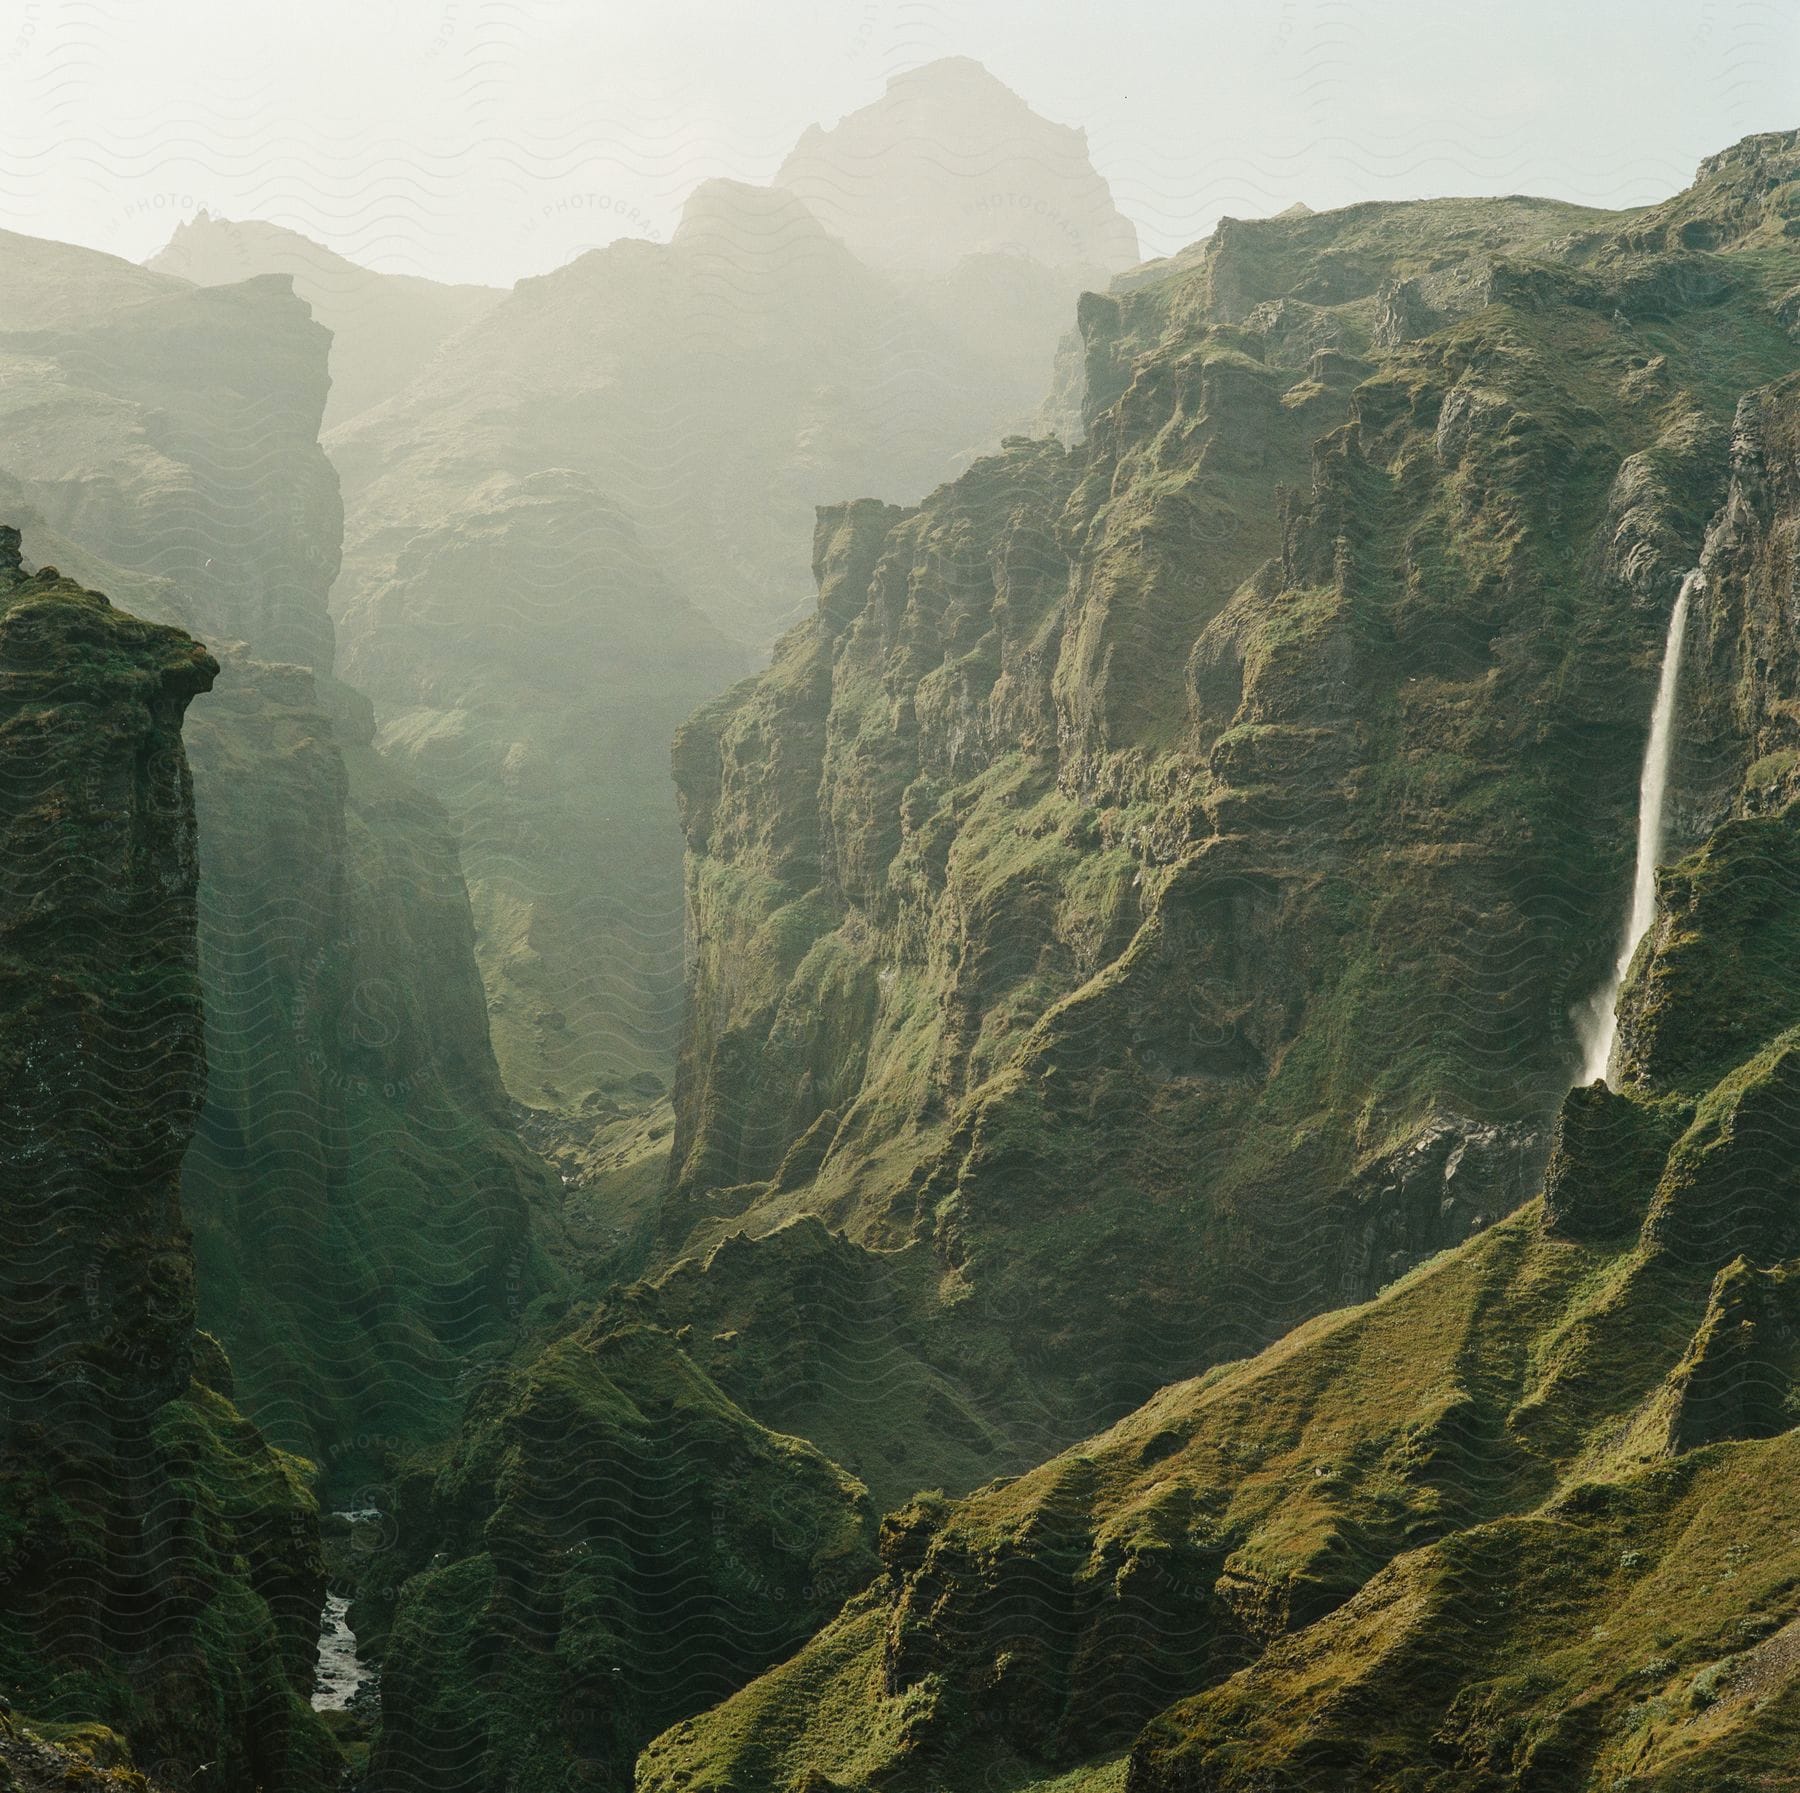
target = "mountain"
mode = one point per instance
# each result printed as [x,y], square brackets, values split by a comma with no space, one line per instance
[362,1207]
[951,163]
[384,327]
[1153,903]
[1154,891]
[1526,1520]
[588,514]
[160,1573]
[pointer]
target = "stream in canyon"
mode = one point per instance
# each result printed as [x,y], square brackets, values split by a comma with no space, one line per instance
[342,1674]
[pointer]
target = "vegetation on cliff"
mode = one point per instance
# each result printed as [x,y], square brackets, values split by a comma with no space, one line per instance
[160,1576]
[1156,888]
[1149,904]
[1140,923]
[1526,1520]
[621,1545]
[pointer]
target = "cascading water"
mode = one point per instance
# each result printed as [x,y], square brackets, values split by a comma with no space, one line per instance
[344,1682]
[341,1673]
[1653,789]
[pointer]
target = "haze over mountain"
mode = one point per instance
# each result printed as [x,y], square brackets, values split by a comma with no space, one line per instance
[353,1174]
[949,163]
[384,327]
[588,511]
[1056,851]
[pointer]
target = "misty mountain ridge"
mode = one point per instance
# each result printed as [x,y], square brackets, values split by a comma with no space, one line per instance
[691,404]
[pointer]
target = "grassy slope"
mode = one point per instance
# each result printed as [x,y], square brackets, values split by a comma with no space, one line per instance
[1526,1519]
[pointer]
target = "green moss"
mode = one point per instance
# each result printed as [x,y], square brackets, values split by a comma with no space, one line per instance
[1714,978]
[615,1543]
[159,1561]
[1159,870]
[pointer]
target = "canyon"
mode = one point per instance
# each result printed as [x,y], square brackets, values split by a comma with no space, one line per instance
[1046,1214]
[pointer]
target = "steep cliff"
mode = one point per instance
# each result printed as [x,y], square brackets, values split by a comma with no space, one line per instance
[531,664]
[1151,902]
[160,1574]
[361,1204]
[1526,1520]
[1154,890]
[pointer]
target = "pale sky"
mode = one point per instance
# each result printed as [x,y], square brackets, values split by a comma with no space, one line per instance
[488,139]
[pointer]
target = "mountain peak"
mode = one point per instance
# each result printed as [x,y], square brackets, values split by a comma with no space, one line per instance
[951,162]
[738,206]
[733,225]
[953,74]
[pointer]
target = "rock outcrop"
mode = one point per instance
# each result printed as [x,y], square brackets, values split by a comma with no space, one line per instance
[611,1545]
[950,163]
[384,327]
[160,1577]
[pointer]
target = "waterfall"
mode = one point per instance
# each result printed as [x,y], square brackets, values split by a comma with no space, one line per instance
[1653,789]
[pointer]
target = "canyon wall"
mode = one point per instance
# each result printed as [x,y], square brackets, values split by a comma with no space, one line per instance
[1149,904]
[159,1562]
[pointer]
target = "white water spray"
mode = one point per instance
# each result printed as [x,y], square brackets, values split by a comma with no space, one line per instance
[1653,789]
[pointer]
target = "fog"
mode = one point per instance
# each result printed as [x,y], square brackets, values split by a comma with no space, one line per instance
[479,140]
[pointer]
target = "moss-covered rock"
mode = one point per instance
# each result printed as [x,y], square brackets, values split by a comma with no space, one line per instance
[159,1561]
[613,1544]
[363,1209]
[1605,1157]
[1524,1521]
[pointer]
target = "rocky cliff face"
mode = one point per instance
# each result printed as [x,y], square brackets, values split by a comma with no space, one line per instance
[1523,1521]
[363,1210]
[159,1561]
[532,664]
[1155,888]
[360,1203]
